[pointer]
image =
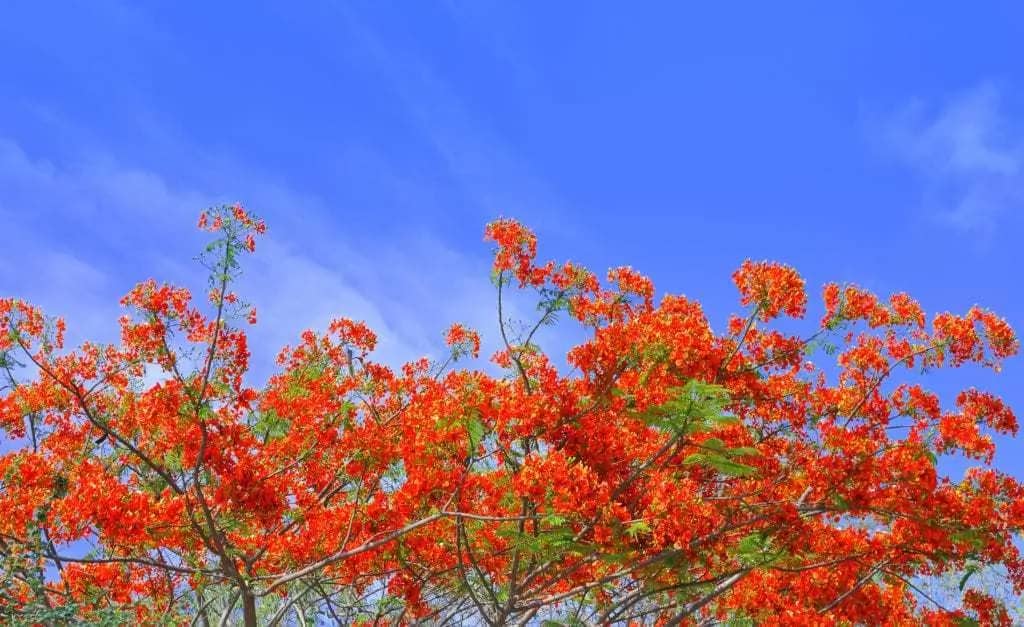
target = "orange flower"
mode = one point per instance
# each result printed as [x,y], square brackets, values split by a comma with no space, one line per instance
[463,340]
[697,465]
[772,287]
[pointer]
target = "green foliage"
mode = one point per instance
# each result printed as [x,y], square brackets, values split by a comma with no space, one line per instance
[271,426]
[693,408]
[476,430]
[720,463]
[563,622]
[638,528]
[971,570]
[758,549]
[38,613]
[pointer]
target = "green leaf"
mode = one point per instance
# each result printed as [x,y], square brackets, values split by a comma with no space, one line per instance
[693,408]
[751,545]
[271,426]
[725,420]
[564,622]
[475,428]
[173,459]
[963,580]
[722,464]
[714,444]
[742,451]
[972,536]
[638,528]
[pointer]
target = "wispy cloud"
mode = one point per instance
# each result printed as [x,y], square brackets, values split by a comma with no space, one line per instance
[969,154]
[82,234]
[486,165]
[130,222]
[69,228]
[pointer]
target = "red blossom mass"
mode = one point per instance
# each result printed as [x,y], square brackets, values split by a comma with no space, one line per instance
[671,475]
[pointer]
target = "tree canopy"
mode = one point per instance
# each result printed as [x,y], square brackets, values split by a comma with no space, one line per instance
[668,474]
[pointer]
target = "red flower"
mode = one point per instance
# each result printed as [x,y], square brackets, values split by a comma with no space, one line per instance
[771,287]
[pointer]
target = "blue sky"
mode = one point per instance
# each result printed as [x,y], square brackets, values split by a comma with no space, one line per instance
[857,141]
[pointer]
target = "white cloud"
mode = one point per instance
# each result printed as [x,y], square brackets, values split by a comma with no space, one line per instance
[293,292]
[71,228]
[100,190]
[82,234]
[969,154]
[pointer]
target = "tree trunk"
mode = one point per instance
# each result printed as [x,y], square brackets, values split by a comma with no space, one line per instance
[204,617]
[249,608]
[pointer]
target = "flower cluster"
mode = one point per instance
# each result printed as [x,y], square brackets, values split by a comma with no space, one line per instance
[773,288]
[673,474]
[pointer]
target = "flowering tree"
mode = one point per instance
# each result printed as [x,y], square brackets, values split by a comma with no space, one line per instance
[673,475]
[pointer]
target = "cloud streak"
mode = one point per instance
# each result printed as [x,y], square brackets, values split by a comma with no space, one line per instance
[83,234]
[969,155]
[484,164]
